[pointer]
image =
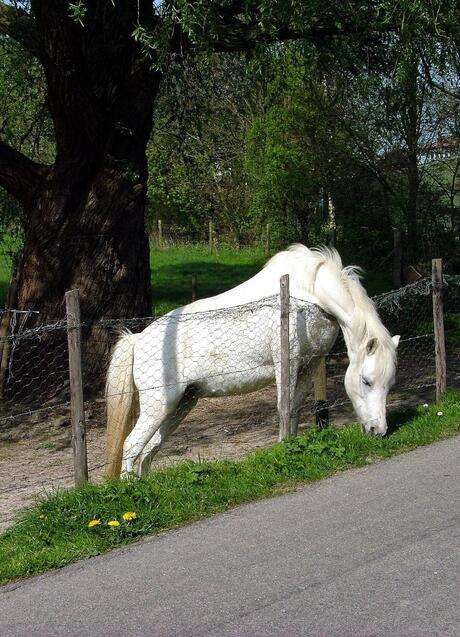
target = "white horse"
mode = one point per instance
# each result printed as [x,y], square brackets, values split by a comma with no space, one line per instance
[230,344]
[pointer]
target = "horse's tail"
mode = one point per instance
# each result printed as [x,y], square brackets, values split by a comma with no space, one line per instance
[121,400]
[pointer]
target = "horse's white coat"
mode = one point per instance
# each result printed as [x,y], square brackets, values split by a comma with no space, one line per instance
[215,347]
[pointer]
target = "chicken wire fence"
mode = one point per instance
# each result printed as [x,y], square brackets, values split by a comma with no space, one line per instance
[190,360]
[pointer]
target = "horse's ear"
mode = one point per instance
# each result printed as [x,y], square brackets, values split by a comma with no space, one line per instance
[371,346]
[395,340]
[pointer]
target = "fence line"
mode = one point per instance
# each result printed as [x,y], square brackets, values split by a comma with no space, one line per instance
[399,305]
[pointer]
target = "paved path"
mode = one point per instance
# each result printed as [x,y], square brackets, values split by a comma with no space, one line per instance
[366,553]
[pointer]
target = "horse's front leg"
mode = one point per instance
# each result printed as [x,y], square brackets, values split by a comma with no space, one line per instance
[302,387]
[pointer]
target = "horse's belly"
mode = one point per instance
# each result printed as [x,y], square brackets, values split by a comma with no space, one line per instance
[234,382]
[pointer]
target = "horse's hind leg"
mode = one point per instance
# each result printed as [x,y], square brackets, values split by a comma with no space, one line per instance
[186,404]
[155,408]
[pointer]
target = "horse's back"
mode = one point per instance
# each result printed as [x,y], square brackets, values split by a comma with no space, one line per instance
[208,349]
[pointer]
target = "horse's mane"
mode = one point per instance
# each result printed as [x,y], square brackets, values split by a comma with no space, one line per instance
[365,322]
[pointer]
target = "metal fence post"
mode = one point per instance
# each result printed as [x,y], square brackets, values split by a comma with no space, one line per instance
[438,322]
[285,362]
[72,301]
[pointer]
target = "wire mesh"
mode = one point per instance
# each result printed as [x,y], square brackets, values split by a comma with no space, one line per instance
[219,362]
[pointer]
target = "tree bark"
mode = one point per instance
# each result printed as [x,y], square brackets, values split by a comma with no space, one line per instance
[87,234]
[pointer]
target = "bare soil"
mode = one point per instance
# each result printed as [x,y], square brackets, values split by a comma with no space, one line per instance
[36,455]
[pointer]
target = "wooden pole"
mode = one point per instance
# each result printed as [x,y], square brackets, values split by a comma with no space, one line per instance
[320,391]
[438,322]
[5,327]
[397,258]
[72,301]
[285,362]
[194,287]
[211,237]
[160,234]
[267,240]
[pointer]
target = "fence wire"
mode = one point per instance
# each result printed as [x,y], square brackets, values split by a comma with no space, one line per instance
[186,364]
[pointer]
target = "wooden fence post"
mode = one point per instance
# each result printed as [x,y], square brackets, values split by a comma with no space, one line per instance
[285,362]
[72,301]
[5,326]
[194,287]
[160,234]
[397,258]
[211,236]
[438,322]
[320,391]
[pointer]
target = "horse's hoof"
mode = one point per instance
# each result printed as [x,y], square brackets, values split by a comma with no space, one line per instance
[128,475]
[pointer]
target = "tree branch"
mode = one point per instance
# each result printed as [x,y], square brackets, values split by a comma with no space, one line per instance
[238,26]
[19,26]
[19,175]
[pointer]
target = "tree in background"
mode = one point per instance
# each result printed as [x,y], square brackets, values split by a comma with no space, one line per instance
[100,70]
[103,64]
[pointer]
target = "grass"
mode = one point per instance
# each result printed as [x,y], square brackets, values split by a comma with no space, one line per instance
[172,270]
[55,532]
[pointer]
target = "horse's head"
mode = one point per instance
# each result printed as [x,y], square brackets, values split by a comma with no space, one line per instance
[369,376]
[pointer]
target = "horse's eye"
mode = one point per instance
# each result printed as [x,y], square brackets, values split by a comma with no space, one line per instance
[366,382]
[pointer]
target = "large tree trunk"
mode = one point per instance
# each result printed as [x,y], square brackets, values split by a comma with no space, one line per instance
[87,234]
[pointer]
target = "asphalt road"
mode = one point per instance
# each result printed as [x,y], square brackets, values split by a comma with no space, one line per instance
[366,553]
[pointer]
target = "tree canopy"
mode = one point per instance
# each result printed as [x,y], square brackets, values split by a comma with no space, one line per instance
[306,114]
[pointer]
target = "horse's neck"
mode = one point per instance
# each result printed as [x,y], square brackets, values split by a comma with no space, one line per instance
[264,284]
[335,298]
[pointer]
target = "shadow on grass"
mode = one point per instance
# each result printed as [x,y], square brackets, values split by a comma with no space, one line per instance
[400,416]
[172,283]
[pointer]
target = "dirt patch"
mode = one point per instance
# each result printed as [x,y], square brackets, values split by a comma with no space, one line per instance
[36,454]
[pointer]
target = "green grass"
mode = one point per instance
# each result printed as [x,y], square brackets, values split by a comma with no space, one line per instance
[172,271]
[55,532]
[9,245]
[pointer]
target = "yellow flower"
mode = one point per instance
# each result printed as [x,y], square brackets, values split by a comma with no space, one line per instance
[113,523]
[129,515]
[93,523]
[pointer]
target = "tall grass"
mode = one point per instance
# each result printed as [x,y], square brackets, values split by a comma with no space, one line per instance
[55,532]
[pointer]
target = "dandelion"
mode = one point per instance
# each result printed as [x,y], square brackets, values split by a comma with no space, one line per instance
[113,523]
[439,413]
[94,522]
[129,515]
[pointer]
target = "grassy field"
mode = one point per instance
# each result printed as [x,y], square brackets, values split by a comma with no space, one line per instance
[70,525]
[172,270]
